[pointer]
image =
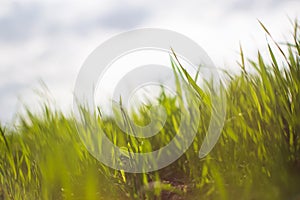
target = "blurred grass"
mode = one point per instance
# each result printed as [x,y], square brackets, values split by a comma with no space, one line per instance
[256,157]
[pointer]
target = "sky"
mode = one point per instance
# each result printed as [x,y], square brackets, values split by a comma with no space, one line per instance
[48,41]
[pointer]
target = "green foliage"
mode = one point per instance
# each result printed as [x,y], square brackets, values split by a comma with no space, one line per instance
[256,157]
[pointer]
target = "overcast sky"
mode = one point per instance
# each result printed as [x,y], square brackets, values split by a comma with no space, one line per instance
[49,40]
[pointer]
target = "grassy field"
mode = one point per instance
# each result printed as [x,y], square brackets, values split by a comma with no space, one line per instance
[256,157]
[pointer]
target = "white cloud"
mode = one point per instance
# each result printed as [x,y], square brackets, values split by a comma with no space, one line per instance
[49,40]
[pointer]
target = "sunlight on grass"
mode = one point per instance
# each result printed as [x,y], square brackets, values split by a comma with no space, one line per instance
[256,157]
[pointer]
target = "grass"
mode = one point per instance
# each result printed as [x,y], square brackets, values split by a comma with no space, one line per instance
[256,157]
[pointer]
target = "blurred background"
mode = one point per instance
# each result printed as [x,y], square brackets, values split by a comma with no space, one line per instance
[49,40]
